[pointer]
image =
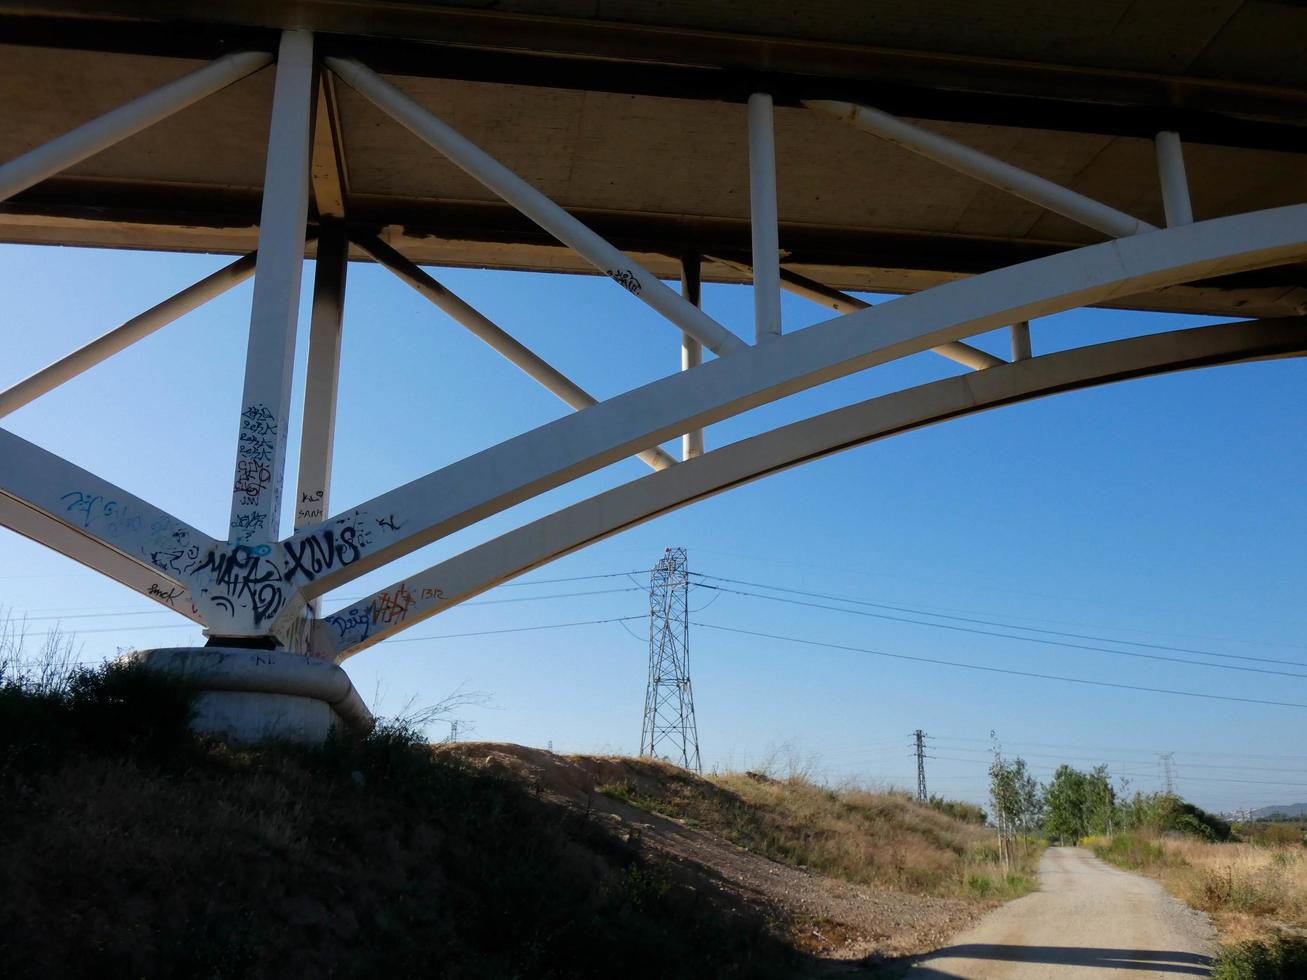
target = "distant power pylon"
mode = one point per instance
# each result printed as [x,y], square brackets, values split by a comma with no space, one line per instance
[1167,762]
[919,737]
[669,730]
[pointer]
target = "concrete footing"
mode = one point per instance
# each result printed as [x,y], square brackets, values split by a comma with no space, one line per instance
[250,695]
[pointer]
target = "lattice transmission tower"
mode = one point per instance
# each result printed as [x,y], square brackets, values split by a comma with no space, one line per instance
[1167,762]
[669,730]
[919,738]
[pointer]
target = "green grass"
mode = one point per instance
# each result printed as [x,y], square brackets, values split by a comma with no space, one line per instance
[1133,852]
[132,848]
[1284,958]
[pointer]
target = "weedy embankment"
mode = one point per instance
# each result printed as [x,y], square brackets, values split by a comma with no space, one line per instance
[882,839]
[1256,894]
[130,848]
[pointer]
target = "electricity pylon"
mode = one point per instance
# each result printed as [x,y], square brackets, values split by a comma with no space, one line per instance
[920,738]
[669,730]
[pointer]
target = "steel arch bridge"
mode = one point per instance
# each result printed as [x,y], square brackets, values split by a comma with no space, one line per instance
[1043,169]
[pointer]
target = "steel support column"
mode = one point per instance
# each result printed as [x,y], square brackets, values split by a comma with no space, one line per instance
[763,219]
[691,349]
[265,406]
[1020,340]
[1175,185]
[313,489]
[841,302]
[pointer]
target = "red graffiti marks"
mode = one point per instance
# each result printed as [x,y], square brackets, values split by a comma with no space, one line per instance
[390,607]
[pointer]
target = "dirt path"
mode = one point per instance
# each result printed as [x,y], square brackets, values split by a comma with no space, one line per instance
[1089,922]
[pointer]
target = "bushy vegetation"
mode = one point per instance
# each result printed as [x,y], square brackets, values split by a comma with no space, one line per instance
[959,810]
[1281,958]
[131,848]
[871,838]
[1134,851]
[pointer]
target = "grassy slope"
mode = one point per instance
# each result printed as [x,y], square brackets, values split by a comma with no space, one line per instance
[883,839]
[130,849]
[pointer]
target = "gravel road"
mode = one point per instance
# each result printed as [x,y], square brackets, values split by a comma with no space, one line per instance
[1089,921]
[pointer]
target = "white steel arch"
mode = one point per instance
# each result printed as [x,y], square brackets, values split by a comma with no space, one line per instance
[254,586]
[349,630]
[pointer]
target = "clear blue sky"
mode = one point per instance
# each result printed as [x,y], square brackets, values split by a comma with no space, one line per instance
[1165,511]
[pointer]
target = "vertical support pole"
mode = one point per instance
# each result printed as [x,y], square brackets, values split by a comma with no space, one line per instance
[763,219]
[691,349]
[269,359]
[1175,185]
[314,487]
[1020,340]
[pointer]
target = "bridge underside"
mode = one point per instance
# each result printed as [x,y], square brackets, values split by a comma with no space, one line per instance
[992,173]
[631,116]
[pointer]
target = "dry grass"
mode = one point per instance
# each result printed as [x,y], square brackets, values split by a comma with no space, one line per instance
[1248,880]
[874,838]
[132,849]
[1251,890]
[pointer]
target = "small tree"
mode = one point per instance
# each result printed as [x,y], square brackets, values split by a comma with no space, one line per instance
[1017,802]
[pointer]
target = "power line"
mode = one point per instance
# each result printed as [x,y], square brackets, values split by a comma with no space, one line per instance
[1124,748]
[1129,762]
[897,576]
[1027,639]
[1004,670]
[1145,775]
[514,629]
[987,622]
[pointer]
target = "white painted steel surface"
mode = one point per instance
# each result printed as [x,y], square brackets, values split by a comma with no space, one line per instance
[120,338]
[100,133]
[347,631]
[471,489]
[691,349]
[482,167]
[1175,185]
[956,351]
[322,376]
[494,336]
[994,172]
[1020,336]
[265,406]
[255,585]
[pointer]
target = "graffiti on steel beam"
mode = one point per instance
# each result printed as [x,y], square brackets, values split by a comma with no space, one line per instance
[626,279]
[249,585]
[255,454]
[310,506]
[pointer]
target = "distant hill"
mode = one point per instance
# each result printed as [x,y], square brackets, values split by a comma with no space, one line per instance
[1287,810]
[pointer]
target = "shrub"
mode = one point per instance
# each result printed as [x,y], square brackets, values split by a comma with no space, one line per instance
[958,810]
[1284,958]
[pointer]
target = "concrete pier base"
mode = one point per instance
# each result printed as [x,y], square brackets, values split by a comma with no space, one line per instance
[248,696]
